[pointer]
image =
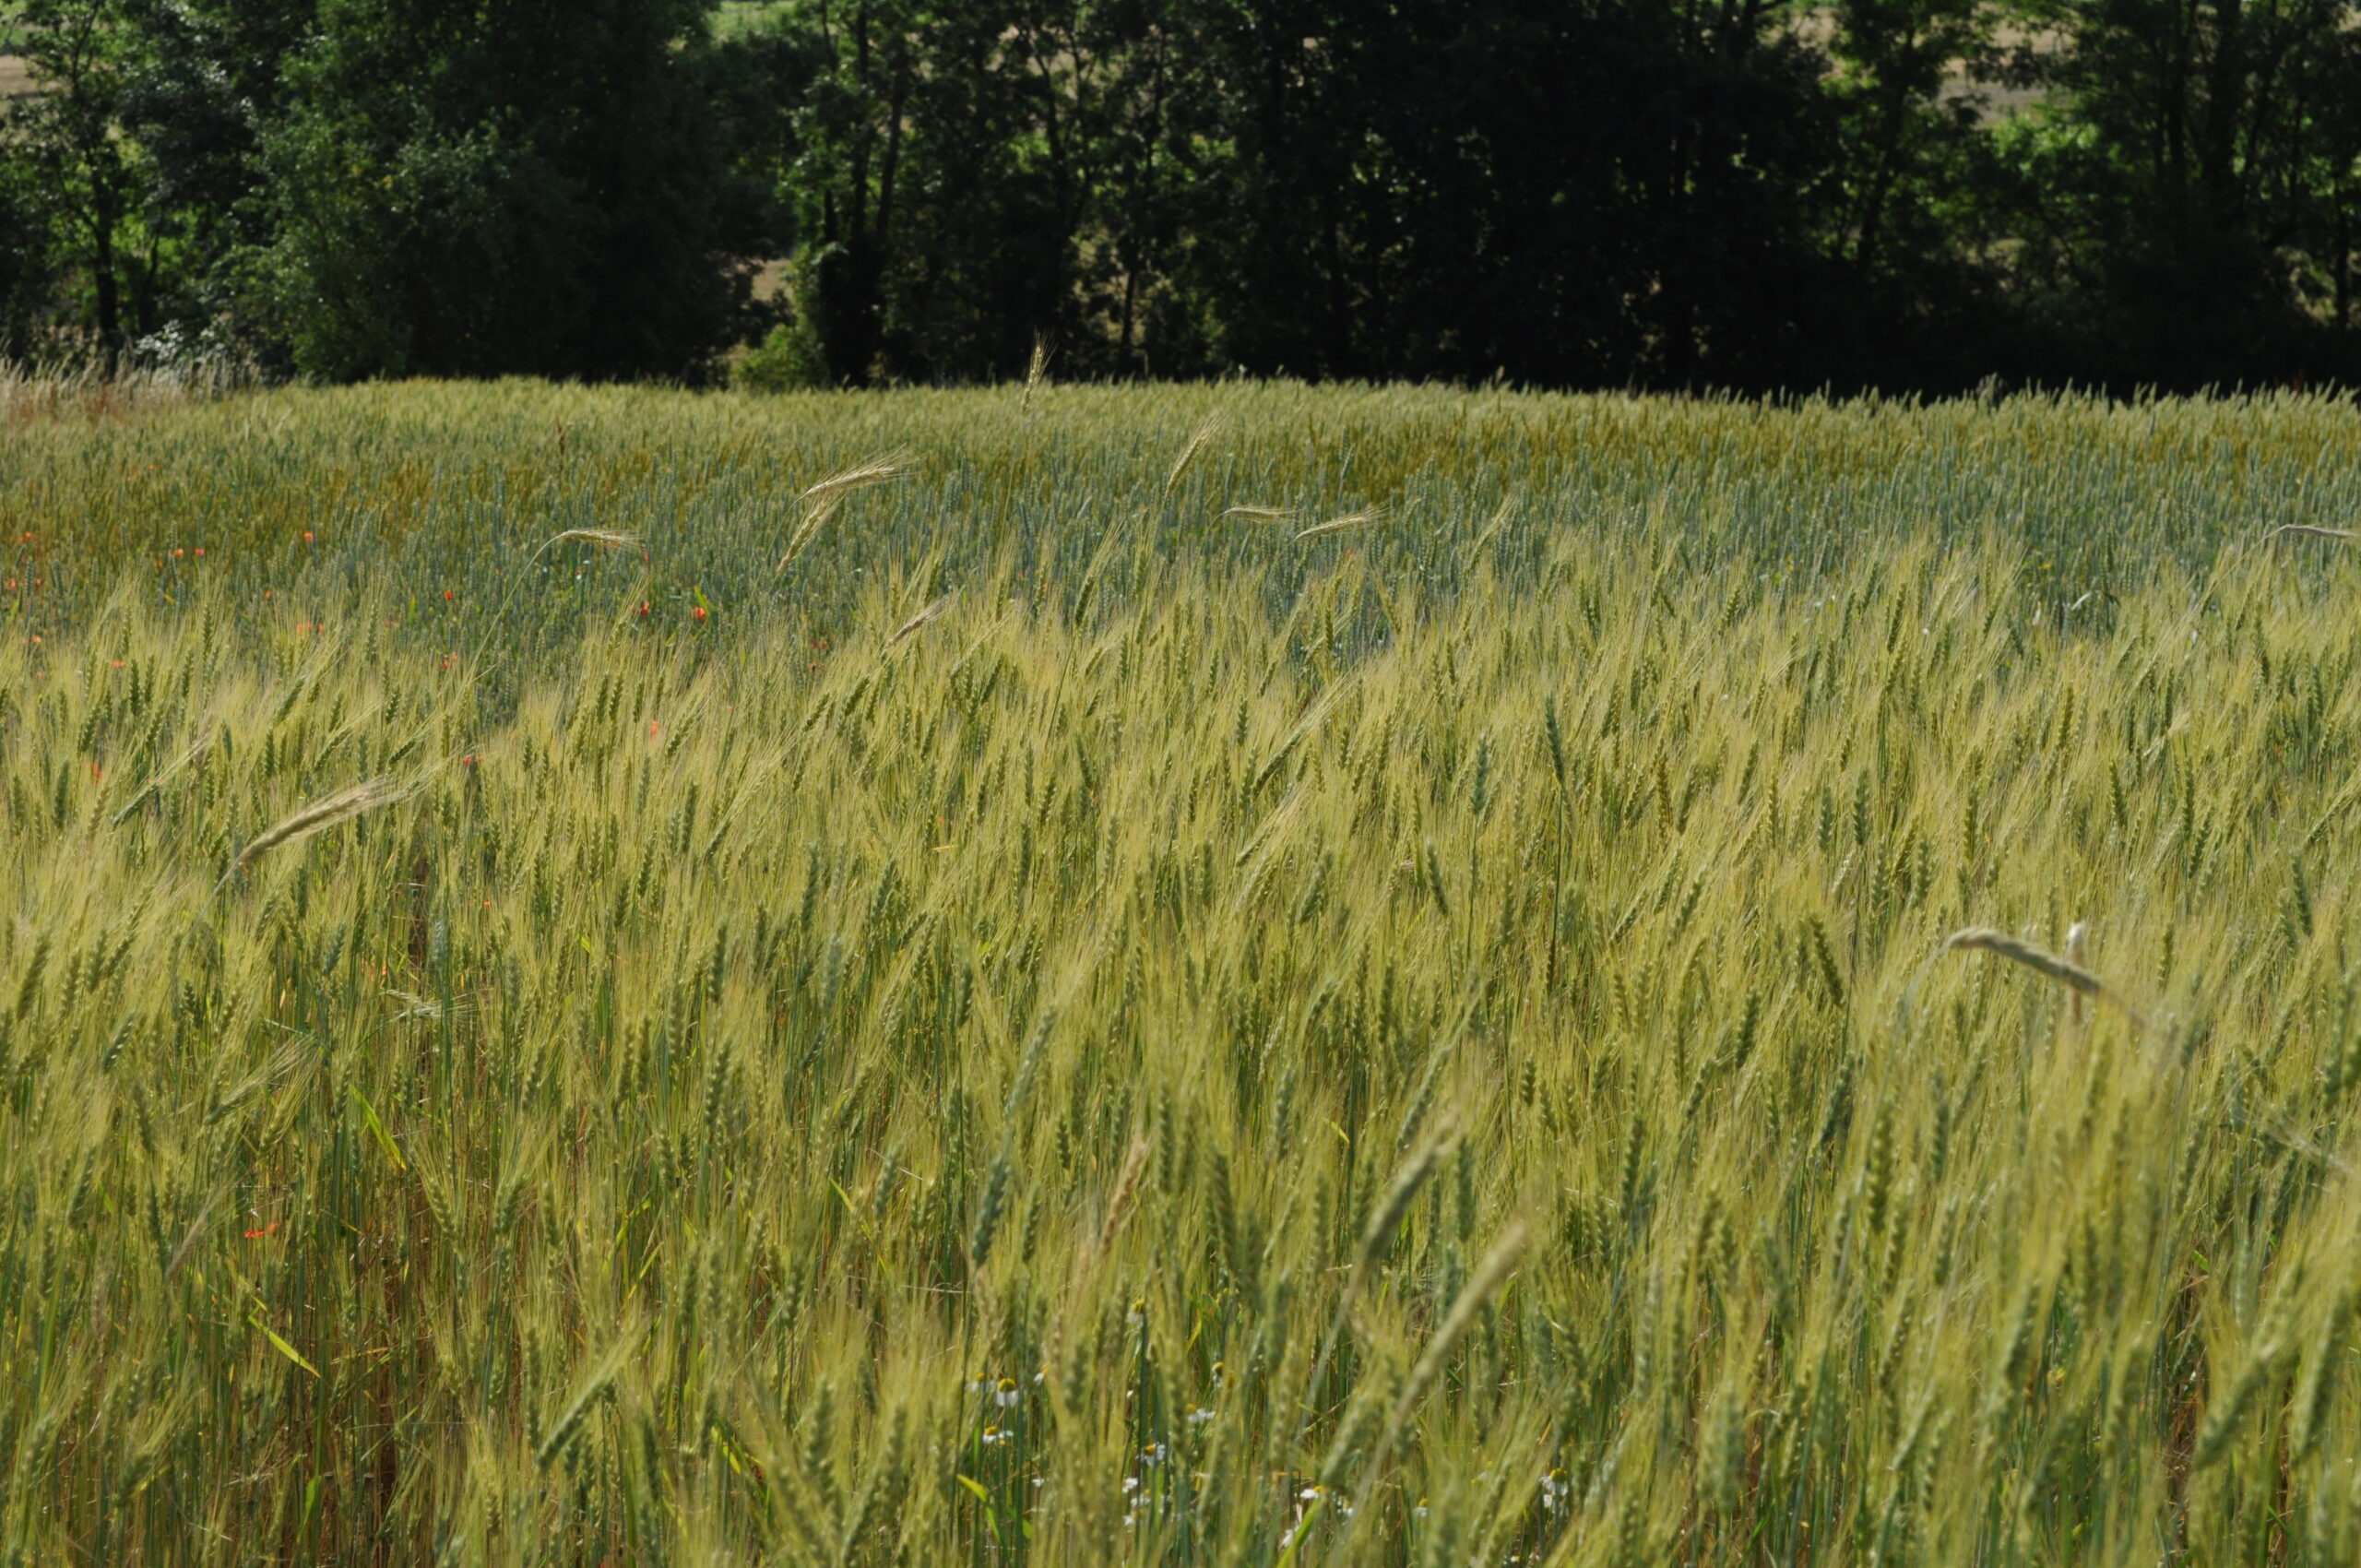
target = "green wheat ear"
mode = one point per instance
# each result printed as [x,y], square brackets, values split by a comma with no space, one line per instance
[1237,1056]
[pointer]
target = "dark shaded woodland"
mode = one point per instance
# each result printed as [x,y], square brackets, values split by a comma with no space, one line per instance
[1901,194]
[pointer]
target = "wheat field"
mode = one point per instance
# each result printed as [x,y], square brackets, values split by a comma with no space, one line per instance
[1237,975]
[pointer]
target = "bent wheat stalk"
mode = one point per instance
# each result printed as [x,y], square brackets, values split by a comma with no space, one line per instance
[919,620]
[1988,939]
[317,817]
[2309,531]
[1205,433]
[1490,1275]
[822,499]
[612,539]
[1338,525]
[1262,514]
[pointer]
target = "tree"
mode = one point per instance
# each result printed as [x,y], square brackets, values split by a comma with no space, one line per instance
[69,131]
[2191,164]
[211,79]
[509,186]
[28,282]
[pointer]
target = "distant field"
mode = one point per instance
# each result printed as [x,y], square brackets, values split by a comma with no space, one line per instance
[1220,975]
[15,77]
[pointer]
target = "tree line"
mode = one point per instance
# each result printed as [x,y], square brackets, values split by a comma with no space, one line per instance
[1907,195]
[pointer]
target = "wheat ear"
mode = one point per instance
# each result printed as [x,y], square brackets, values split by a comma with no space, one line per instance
[1988,939]
[2074,936]
[1338,525]
[613,539]
[204,740]
[319,816]
[1205,433]
[918,621]
[822,499]
[1262,514]
[2309,531]
[1127,1187]
[1037,372]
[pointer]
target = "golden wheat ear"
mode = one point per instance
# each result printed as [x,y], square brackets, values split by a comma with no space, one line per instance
[1989,939]
[2309,531]
[821,500]
[1338,525]
[1196,444]
[860,475]
[919,620]
[317,817]
[612,538]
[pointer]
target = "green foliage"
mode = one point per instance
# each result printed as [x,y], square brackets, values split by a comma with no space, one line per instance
[87,178]
[27,273]
[1421,1042]
[1914,194]
[2195,159]
[788,357]
[513,187]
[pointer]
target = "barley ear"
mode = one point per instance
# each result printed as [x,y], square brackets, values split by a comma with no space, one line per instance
[609,538]
[821,498]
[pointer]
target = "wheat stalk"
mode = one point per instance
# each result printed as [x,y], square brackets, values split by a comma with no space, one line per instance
[320,815]
[1262,514]
[1339,525]
[1490,1275]
[823,498]
[1989,939]
[1037,372]
[919,620]
[2309,531]
[1205,433]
